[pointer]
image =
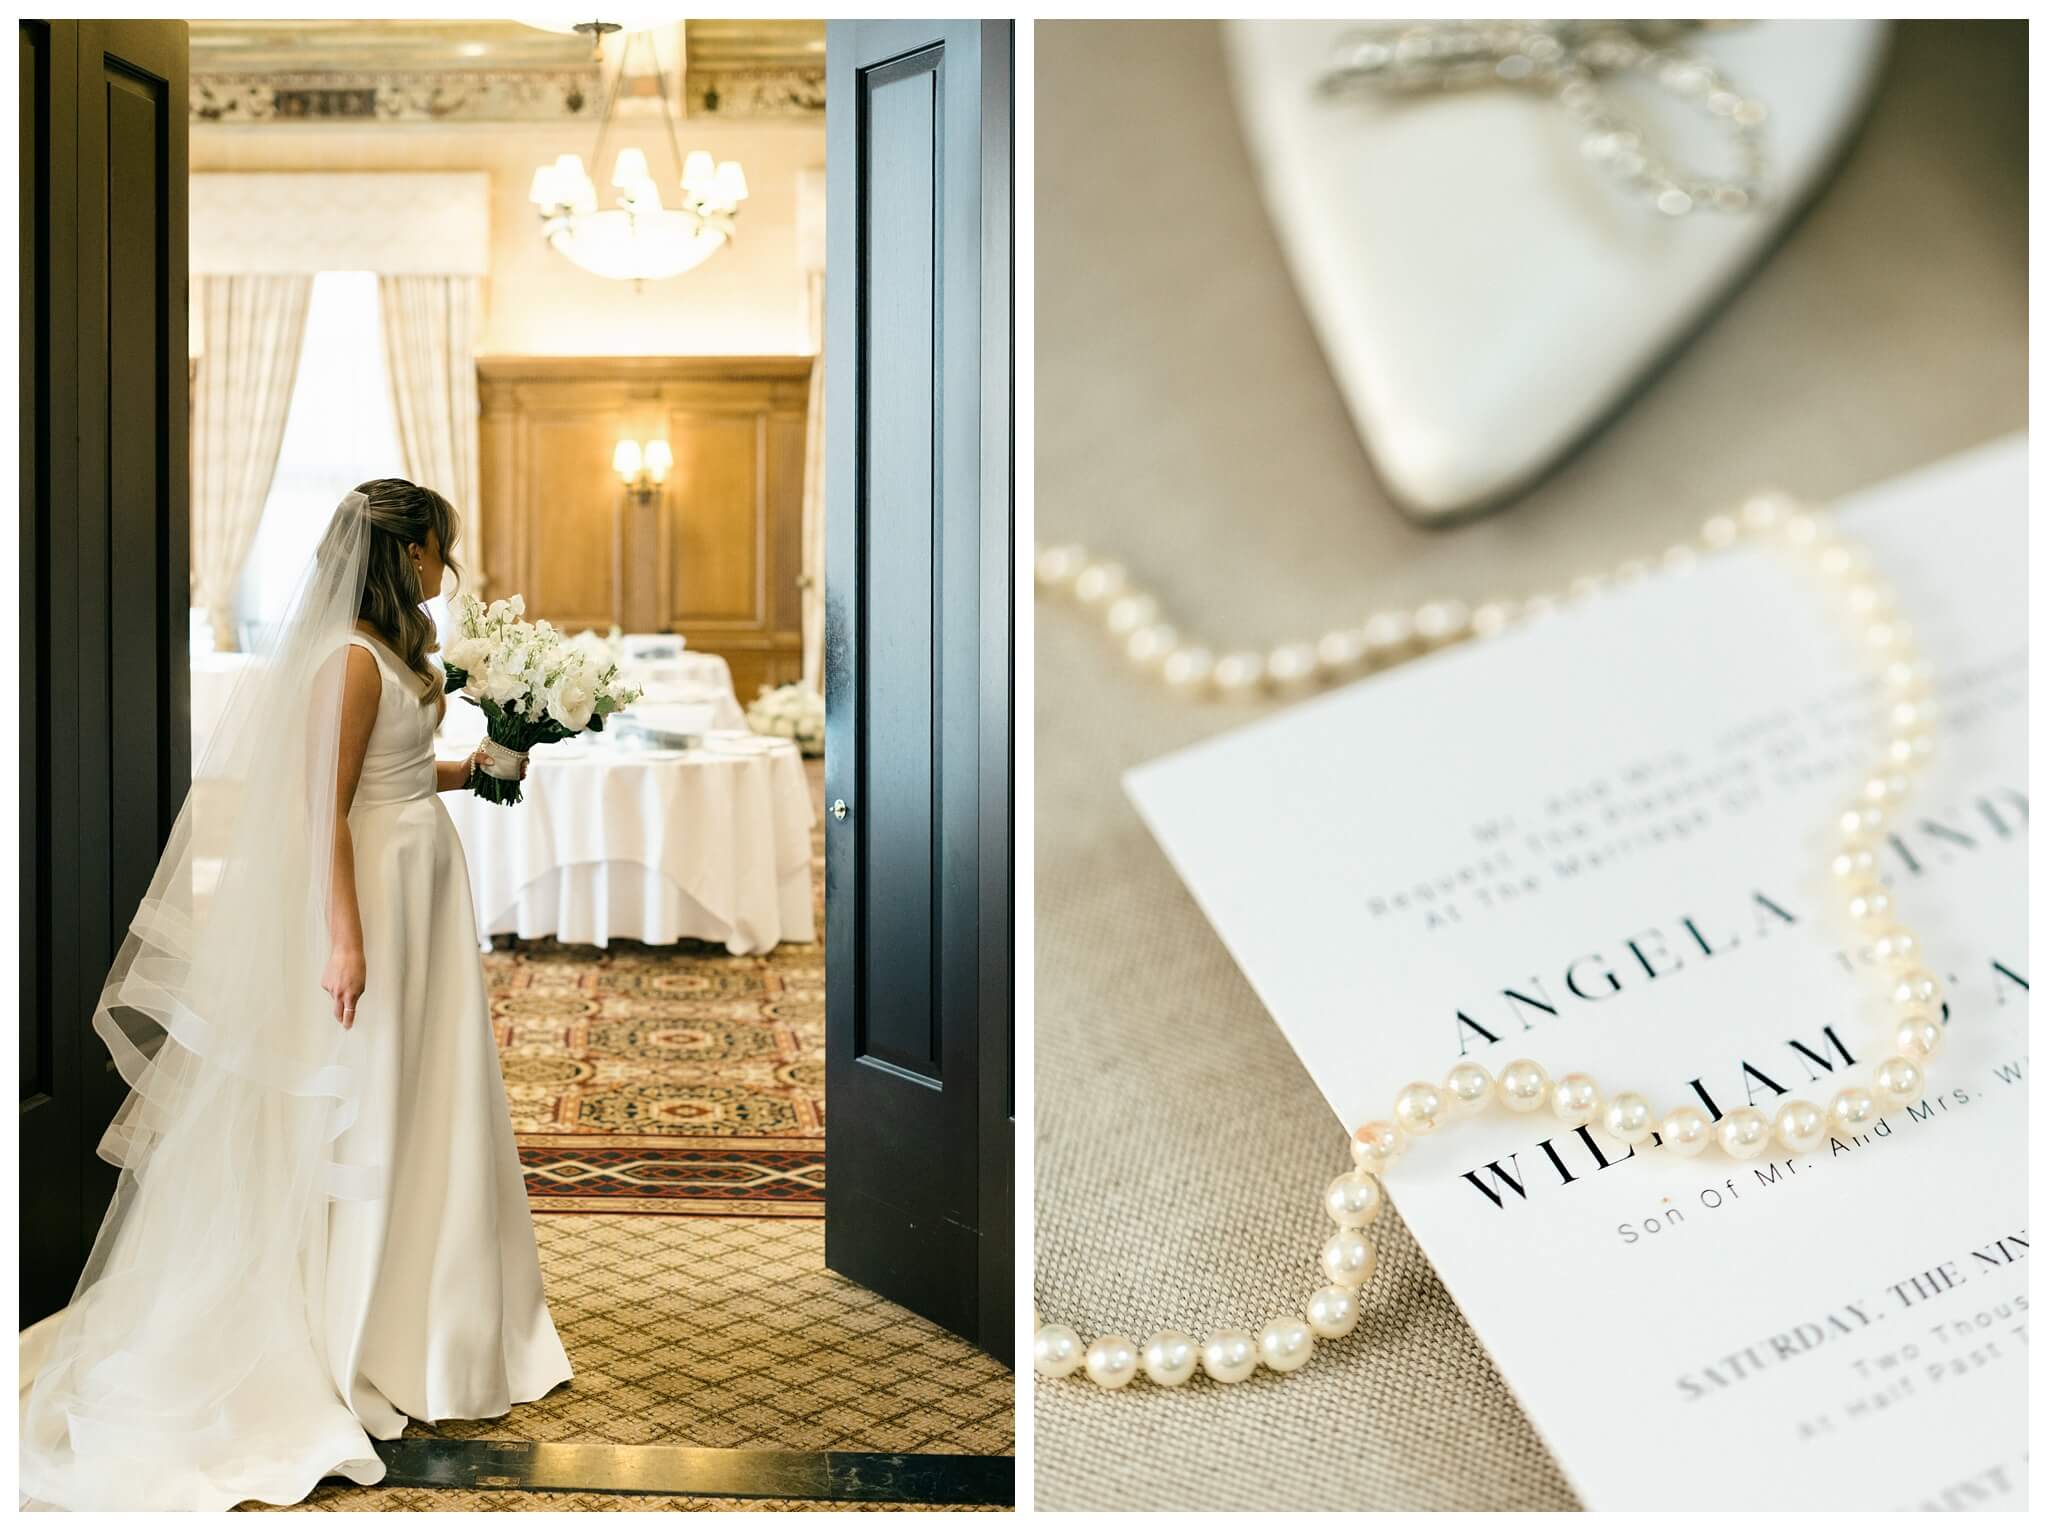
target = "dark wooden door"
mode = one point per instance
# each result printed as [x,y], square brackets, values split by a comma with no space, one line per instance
[919,1036]
[104,576]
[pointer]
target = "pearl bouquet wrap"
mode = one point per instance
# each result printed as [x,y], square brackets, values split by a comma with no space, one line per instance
[534,685]
[500,762]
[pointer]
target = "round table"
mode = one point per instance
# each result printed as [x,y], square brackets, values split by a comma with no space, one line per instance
[688,678]
[657,846]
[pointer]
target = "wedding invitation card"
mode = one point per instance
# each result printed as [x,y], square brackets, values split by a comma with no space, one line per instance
[1601,842]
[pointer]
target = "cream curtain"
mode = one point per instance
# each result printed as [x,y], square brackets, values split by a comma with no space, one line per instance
[429,325]
[242,391]
[814,498]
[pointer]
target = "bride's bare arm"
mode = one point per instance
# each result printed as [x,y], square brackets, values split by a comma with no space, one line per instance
[345,974]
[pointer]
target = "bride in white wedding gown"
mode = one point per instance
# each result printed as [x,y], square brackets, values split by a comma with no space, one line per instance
[320,1229]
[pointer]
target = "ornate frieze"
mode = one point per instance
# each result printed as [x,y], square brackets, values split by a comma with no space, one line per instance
[734,92]
[440,96]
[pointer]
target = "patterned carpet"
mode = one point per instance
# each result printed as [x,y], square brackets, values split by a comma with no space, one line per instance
[731,1332]
[668,1079]
[726,1332]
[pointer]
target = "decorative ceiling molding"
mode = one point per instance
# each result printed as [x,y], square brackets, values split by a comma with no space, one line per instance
[786,92]
[281,73]
[440,96]
[754,68]
[250,46]
[392,224]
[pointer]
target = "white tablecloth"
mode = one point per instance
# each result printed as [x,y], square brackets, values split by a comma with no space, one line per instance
[703,679]
[648,846]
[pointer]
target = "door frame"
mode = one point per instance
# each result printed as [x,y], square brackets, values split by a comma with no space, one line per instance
[997,722]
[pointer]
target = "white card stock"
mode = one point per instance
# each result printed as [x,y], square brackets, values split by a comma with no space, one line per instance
[1600,842]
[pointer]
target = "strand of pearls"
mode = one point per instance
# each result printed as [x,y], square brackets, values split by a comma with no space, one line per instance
[1913,1010]
[1136,621]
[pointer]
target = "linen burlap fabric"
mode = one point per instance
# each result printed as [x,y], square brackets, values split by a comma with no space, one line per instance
[1187,424]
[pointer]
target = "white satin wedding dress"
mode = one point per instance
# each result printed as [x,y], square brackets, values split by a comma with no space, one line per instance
[317,1234]
[434,1307]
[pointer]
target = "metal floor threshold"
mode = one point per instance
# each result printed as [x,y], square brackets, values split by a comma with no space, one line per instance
[937,1478]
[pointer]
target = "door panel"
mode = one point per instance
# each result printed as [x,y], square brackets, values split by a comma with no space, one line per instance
[139,707]
[905,591]
[574,536]
[918,1023]
[105,575]
[715,514]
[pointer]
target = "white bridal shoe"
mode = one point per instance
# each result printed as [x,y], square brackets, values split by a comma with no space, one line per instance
[1484,293]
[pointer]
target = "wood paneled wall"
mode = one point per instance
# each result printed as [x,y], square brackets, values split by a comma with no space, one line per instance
[717,555]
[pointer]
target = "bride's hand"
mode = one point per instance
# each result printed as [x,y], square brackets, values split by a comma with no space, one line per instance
[480,759]
[344,979]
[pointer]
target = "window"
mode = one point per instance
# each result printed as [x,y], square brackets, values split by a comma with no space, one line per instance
[339,432]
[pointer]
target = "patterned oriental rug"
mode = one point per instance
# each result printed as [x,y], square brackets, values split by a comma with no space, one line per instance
[672,1079]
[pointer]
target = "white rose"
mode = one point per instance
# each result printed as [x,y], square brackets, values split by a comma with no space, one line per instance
[572,699]
[504,677]
[469,653]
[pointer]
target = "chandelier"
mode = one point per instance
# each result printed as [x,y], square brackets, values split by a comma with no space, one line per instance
[640,239]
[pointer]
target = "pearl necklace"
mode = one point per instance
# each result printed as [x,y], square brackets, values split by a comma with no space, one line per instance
[1353,1200]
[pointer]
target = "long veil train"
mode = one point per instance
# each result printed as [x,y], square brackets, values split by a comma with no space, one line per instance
[190,1363]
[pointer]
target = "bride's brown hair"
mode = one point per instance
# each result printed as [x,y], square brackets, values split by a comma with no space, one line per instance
[400,515]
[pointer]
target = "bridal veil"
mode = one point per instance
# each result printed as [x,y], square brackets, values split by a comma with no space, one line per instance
[189,1363]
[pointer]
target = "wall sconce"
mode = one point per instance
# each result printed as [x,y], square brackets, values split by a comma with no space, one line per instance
[642,469]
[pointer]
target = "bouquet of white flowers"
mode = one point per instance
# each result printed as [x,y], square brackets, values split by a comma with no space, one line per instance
[793,711]
[534,684]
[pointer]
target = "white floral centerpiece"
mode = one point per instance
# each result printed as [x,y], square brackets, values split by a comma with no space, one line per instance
[612,645]
[793,711]
[534,684]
